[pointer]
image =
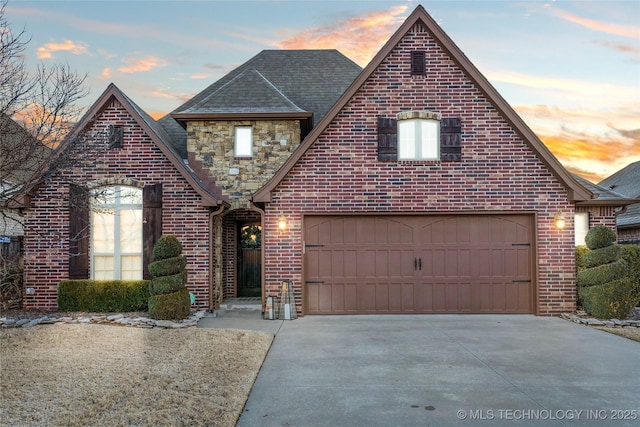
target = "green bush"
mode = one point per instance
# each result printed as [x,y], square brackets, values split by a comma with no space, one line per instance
[167,267]
[167,246]
[174,306]
[631,254]
[611,300]
[600,256]
[600,237]
[168,284]
[602,273]
[580,253]
[106,296]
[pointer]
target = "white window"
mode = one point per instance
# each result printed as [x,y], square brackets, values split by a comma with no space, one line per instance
[581,224]
[116,233]
[418,135]
[244,141]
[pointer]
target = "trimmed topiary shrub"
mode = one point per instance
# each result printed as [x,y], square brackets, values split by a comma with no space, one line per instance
[601,274]
[167,288]
[168,267]
[631,254]
[600,237]
[611,300]
[176,305]
[103,296]
[604,288]
[601,256]
[167,246]
[168,284]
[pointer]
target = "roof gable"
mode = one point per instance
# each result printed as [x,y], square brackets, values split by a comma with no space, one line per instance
[304,81]
[575,190]
[152,128]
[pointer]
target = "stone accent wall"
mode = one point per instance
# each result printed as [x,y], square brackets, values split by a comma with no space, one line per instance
[212,143]
[499,172]
[139,162]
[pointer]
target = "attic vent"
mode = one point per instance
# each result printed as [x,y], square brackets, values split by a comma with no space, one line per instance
[419,28]
[418,66]
[115,135]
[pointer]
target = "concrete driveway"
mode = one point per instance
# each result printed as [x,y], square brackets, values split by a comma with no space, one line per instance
[441,370]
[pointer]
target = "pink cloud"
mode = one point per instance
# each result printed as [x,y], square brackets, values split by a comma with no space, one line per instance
[602,26]
[135,65]
[46,51]
[359,38]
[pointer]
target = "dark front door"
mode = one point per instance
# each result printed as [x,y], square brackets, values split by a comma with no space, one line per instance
[249,261]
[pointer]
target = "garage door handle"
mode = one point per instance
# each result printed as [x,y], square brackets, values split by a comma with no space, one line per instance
[417,264]
[314,282]
[420,263]
[521,281]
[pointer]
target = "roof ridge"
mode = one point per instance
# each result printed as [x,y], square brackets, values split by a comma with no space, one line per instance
[277,89]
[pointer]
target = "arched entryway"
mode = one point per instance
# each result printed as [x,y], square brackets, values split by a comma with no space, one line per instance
[242,257]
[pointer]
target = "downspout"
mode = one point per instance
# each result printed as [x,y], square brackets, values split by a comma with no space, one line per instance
[262,254]
[213,305]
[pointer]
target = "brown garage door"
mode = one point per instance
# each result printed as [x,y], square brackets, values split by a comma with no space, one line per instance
[418,264]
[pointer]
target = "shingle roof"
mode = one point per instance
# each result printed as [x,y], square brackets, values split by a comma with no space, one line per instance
[284,81]
[599,191]
[626,181]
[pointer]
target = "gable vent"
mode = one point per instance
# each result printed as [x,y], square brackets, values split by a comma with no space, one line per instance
[418,65]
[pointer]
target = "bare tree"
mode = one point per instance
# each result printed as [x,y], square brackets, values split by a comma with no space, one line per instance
[38,109]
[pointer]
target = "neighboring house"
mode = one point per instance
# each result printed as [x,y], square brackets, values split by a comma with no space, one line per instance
[408,187]
[627,182]
[20,157]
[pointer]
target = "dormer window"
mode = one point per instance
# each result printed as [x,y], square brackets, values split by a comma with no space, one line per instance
[418,135]
[244,141]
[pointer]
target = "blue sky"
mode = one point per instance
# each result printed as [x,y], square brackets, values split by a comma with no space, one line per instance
[571,69]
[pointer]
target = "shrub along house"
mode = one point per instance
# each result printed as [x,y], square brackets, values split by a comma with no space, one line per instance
[408,187]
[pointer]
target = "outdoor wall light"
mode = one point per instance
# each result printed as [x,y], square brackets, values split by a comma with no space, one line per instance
[282,223]
[559,221]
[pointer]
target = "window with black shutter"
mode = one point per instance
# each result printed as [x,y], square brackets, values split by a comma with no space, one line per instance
[152,223]
[116,135]
[451,139]
[387,139]
[79,233]
[418,63]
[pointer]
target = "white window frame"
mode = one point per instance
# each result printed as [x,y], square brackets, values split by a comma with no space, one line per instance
[581,227]
[243,146]
[418,135]
[102,202]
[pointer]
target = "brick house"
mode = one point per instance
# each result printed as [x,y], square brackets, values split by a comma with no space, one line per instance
[408,187]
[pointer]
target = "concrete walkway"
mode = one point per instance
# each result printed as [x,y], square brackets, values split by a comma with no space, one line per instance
[442,370]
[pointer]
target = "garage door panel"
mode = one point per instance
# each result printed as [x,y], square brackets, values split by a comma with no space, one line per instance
[422,264]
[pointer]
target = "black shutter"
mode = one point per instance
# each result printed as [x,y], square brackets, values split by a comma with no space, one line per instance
[418,63]
[79,232]
[152,223]
[451,140]
[387,139]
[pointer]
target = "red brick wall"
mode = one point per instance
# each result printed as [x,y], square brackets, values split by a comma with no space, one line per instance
[340,173]
[46,241]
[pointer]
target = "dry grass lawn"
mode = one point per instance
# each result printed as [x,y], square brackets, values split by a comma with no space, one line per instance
[631,333]
[103,375]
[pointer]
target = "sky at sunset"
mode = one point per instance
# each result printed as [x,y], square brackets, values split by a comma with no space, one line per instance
[571,69]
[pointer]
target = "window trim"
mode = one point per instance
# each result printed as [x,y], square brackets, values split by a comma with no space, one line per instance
[117,206]
[419,118]
[238,143]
